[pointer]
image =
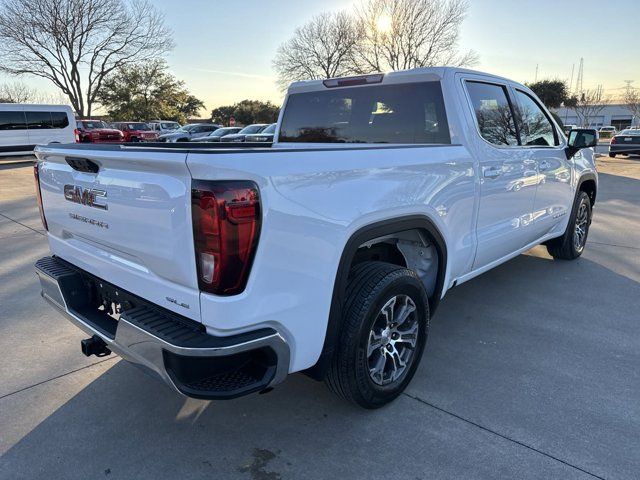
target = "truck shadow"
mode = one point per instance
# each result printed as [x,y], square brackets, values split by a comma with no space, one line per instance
[536,349]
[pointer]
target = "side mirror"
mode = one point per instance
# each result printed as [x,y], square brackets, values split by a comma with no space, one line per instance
[580,138]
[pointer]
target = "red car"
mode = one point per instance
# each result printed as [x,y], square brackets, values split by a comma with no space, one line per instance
[96,131]
[137,132]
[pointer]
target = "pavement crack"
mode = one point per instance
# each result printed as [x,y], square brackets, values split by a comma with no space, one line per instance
[57,377]
[20,223]
[614,245]
[505,437]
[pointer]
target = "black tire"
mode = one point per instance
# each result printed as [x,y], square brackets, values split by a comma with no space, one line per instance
[612,155]
[371,286]
[566,247]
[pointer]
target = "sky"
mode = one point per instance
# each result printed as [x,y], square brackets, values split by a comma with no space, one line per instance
[224,49]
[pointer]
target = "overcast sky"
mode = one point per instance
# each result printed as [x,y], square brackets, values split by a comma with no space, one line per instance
[224,48]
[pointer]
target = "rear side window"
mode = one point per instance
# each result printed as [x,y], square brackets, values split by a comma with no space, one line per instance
[59,119]
[12,121]
[405,113]
[493,113]
[535,127]
[38,120]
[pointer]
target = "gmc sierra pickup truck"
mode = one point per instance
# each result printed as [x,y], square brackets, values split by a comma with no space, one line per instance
[222,269]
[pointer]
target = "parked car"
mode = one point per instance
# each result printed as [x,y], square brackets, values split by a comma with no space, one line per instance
[223,270]
[163,126]
[97,131]
[607,131]
[24,126]
[216,135]
[187,132]
[248,130]
[626,142]
[265,135]
[137,132]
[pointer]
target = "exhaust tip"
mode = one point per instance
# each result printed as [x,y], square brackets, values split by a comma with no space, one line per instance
[94,346]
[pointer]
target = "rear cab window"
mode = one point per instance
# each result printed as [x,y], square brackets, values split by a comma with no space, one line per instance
[409,113]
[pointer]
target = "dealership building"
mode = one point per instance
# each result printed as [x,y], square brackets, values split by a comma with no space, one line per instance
[617,115]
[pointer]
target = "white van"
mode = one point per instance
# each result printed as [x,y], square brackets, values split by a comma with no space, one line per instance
[24,126]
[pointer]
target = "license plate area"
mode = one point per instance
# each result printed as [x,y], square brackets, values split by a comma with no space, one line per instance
[99,303]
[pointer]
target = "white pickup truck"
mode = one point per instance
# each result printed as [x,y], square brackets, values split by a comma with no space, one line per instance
[222,270]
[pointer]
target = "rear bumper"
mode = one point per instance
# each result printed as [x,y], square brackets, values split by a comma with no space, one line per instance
[172,348]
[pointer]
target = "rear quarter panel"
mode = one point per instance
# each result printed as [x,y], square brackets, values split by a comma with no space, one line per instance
[313,201]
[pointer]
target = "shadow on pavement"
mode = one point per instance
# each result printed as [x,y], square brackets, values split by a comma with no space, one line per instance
[563,380]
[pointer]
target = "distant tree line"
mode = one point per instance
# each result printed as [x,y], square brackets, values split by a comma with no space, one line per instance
[246,112]
[145,91]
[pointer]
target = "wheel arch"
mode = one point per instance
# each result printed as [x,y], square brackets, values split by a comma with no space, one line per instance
[588,183]
[361,236]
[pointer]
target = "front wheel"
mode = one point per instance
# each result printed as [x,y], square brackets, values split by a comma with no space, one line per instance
[384,331]
[571,245]
[612,155]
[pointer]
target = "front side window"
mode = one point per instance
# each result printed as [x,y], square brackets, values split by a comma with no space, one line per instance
[493,113]
[38,120]
[12,121]
[410,113]
[535,127]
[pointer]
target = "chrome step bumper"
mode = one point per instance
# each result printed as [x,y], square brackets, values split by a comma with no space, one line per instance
[176,350]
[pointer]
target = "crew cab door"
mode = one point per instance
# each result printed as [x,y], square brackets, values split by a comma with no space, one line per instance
[508,174]
[540,138]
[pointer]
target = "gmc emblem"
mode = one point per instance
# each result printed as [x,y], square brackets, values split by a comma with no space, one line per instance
[85,196]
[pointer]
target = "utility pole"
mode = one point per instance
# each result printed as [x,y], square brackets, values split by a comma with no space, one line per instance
[573,67]
[535,79]
[580,78]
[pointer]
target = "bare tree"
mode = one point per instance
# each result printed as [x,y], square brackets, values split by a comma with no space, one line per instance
[76,43]
[17,92]
[631,99]
[402,34]
[322,48]
[590,103]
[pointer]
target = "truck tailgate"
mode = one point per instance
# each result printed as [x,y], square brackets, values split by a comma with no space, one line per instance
[128,223]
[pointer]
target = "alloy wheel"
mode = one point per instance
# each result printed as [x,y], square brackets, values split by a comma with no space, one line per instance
[392,340]
[582,223]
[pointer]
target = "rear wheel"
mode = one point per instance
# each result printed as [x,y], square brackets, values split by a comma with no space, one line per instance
[571,245]
[384,331]
[612,155]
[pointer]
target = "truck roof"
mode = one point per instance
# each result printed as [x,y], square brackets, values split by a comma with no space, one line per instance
[400,76]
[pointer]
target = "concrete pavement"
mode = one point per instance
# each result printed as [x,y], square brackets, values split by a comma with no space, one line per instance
[531,371]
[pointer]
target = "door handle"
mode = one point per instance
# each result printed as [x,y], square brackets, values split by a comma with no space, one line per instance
[492,172]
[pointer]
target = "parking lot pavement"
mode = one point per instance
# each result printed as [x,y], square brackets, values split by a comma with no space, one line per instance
[531,371]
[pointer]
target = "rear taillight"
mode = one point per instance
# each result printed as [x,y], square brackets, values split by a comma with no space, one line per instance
[613,140]
[36,174]
[76,132]
[226,226]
